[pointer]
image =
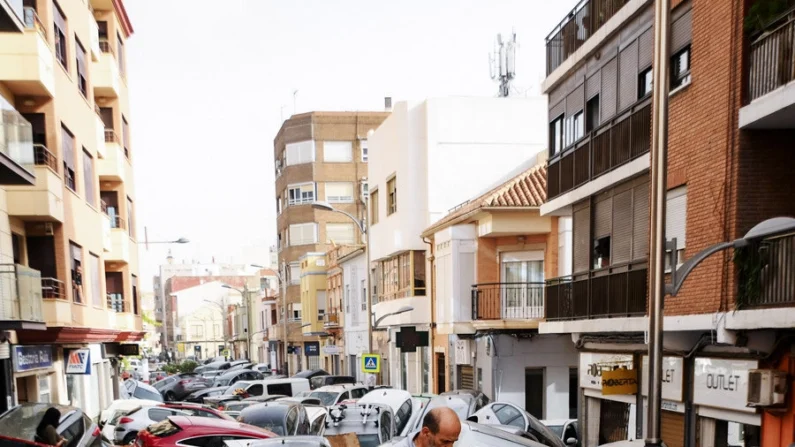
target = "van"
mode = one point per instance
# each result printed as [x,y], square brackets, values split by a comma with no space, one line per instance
[272,387]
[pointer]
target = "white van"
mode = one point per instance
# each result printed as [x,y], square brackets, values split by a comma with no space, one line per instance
[277,387]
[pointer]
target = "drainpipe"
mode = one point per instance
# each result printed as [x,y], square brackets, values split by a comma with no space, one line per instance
[432,297]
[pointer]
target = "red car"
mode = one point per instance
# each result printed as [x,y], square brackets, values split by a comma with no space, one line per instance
[197,431]
[198,410]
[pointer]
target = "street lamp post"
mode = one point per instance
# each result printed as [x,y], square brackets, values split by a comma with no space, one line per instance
[402,310]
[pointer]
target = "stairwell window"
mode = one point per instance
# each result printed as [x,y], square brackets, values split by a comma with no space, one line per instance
[59,24]
[391,187]
[680,68]
[301,194]
[339,192]
[68,154]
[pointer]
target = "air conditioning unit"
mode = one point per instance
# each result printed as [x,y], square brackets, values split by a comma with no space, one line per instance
[48,230]
[767,388]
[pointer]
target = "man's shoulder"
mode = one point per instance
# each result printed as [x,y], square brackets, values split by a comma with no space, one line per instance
[408,441]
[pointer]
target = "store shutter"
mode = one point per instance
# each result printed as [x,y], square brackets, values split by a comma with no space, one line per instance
[673,428]
[622,227]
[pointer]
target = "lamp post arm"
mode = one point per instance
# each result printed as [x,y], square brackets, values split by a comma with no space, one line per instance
[680,274]
[358,222]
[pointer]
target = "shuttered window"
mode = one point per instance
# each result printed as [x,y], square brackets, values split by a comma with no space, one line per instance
[582,239]
[609,85]
[640,222]
[675,219]
[59,25]
[339,192]
[673,429]
[303,234]
[68,154]
[337,151]
[603,218]
[301,152]
[80,59]
[628,74]
[340,233]
[622,227]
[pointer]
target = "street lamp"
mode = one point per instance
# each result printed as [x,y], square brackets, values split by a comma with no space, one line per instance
[402,310]
[363,227]
[762,230]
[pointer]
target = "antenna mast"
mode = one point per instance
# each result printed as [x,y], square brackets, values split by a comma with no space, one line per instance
[502,64]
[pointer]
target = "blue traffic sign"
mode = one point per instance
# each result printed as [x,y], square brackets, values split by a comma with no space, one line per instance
[371,363]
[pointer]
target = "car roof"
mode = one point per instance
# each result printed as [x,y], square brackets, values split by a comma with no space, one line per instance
[496,433]
[389,396]
[338,388]
[310,373]
[556,421]
[233,373]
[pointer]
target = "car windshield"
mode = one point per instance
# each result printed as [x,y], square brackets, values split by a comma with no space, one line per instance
[162,383]
[221,382]
[143,393]
[369,440]
[21,422]
[327,398]
[460,406]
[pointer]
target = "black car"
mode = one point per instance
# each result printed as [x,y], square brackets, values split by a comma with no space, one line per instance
[318,381]
[282,418]
[309,373]
[198,396]
[230,377]
[77,428]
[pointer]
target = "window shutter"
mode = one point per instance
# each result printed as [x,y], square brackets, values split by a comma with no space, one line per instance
[628,73]
[575,100]
[339,192]
[622,227]
[301,234]
[81,58]
[608,99]
[582,239]
[301,152]
[68,148]
[640,222]
[676,216]
[593,85]
[338,151]
[645,49]
[682,31]
[340,233]
[58,18]
[603,218]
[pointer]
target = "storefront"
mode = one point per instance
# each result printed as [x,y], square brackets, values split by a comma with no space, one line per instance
[34,374]
[673,407]
[610,417]
[89,379]
[720,394]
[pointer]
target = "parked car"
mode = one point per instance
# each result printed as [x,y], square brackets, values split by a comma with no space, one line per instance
[282,418]
[241,364]
[199,395]
[75,426]
[127,426]
[194,409]
[478,435]
[264,398]
[214,366]
[309,373]
[566,429]
[117,409]
[292,441]
[139,390]
[407,408]
[335,394]
[190,430]
[232,376]
[282,387]
[233,408]
[373,424]
[156,376]
[179,386]
[303,400]
[318,381]
[318,415]
[207,361]
[464,402]
[264,368]
[501,413]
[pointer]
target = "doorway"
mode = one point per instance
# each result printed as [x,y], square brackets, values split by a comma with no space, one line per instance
[441,377]
[534,391]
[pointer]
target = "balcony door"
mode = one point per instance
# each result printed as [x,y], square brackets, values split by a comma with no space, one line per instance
[522,275]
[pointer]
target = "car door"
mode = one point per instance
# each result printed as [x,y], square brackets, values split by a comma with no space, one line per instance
[72,428]
[291,424]
[345,395]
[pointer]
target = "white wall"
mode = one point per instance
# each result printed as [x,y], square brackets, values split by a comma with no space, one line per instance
[455,274]
[354,271]
[565,246]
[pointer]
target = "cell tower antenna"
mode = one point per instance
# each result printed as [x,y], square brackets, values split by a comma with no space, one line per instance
[502,63]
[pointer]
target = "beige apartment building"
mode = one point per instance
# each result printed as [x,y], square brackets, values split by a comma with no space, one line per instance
[319,156]
[63,71]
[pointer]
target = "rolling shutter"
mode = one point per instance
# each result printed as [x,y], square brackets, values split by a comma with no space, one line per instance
[676,215]
[622,227]
[645,49]
[466,377]
[608,99]
[574,102]
[582,239]
[640,222]
[682,30]
[628,74]
[593,85]
[673,428]
[603,218]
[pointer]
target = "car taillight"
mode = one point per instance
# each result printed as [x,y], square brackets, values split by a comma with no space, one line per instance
[184,382]
[97,432]
[125,420]
[221,407]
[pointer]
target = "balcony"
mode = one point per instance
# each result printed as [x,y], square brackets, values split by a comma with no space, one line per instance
[44,200]
[770,281]
[21,298]
[600,152]
[11,15]
[770,90]
[26,60]
[124,321]
[52,289]
[100,135]
[119,242]
[105,72]
[107,240]
[113,166]
[331,321]
[614,292]
[16,147]
[507,305]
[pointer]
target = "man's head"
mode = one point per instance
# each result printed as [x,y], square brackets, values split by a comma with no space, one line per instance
[440,428]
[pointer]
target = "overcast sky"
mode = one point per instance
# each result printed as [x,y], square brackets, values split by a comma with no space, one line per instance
[211,81]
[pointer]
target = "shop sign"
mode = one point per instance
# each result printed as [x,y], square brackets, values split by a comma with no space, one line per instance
[27,358]
[722,383]
[79,362]
[130,349]
[673,369]
[312,348]
[332,350]
[592,364]
[619,381]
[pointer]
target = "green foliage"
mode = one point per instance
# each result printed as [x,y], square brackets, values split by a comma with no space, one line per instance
[188,366]
[171,368]
[148,319]
[762,12]
[749,264]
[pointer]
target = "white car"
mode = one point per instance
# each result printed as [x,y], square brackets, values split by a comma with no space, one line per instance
[335,394]
[119,407]
[317,419]
[566,429]
[128,425]
[503,413]
[407,409]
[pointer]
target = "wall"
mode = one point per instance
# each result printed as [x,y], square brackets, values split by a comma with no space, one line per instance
[354,272]
[455,274]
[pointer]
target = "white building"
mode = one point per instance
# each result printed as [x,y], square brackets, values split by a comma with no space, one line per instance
[354,268]
[425,159]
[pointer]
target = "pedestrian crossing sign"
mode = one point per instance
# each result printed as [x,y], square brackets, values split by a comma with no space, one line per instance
[371,363]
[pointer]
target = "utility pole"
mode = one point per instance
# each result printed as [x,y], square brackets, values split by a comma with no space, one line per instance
[659,146]
[283,281]
[247,305]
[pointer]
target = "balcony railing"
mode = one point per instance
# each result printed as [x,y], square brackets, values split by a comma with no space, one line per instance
[105,46]
[43,157]
[616,291]
[52,289]
[22,294]
[613,144]
[774,284]
[578,26]
[111,136]
[772,57]
[331,320]
[32,21]
[117,222]
[116,302]
[508,301]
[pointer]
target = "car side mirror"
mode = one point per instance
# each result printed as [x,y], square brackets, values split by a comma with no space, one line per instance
[571,441]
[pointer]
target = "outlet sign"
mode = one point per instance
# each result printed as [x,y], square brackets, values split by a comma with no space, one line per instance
[722,383]
[673,369]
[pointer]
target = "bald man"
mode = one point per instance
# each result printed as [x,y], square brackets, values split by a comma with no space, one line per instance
[440,428]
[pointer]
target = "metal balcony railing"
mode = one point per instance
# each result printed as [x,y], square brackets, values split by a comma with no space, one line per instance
[105,46]
[111,136]
[331,320]
[116,302]
[615,291]
[52,289]
[772,281]
[577,27]
[117,222]
[43,157]
[508,301]
[771,61]
[611,145]
[20,293]
[32,21]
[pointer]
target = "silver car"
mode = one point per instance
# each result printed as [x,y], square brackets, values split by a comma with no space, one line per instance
[128,426]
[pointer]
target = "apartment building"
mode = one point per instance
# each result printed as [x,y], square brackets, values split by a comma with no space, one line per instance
[319,156]
[490,258]
[729,159]
[427,158]
[63,69]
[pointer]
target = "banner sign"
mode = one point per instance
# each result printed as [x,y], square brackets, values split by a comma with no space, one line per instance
[619,381]
[79,362]
[27,358]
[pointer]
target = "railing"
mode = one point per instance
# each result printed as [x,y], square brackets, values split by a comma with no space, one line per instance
[616,291]
[301,201]
[331,320]
[105,46]
[116,302]
[613,144]
[117,222]
[32,21]
[578,26]
[52,289]
[43,157]
[508,301]
[111,136]
[772,57]
[97,110]
[21,296]
[776,277]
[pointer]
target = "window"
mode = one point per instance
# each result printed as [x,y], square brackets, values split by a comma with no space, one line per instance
[303,234]
[373,204]
[365,150]
[644,83]
[364,189]
[197,331]
[130,218]
[556,135]
[80,59]
[321,304]
[364,294]
[125,136]
[299,153]
[94,275]
[302,194]
[391,187]
[337,151]
[120,53]
[340,233]
[76,253]
[675,218]
[216,330]
[578,124]
[401,276]
[601,252]
[339,192]
[89,184]
[68,153]
[114,283]
[295,273]
[680,68]
[509,415]
[592,114]
[59,22]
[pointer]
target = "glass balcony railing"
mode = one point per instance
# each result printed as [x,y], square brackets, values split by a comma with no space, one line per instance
[20,294]
[16,136]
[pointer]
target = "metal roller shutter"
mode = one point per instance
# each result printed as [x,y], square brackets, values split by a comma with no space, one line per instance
[673,428]
[603,218]
[466,377]
[640,222]
[609,83]
[622,227]
[682,31]
[582,239]
[574,102]
[628,74]
[557,110]
[645,49]
[593,85]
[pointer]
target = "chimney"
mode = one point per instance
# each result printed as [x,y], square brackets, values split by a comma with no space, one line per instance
[388,103]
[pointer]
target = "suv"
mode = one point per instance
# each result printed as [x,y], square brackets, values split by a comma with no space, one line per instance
[319,381]
[78,430]
[373,424]
[229,378]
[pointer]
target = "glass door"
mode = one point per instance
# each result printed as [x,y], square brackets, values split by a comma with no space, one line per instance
[522,285]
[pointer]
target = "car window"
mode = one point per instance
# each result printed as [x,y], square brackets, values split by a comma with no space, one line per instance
[317,426]
[292,420]
[158,414]
[385,427]
[303,423]
[73,432]
[403,415]
[508,415]
[481,402]
[212,441]
[285,389]
[142,393]
[358,393]
[255,390]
